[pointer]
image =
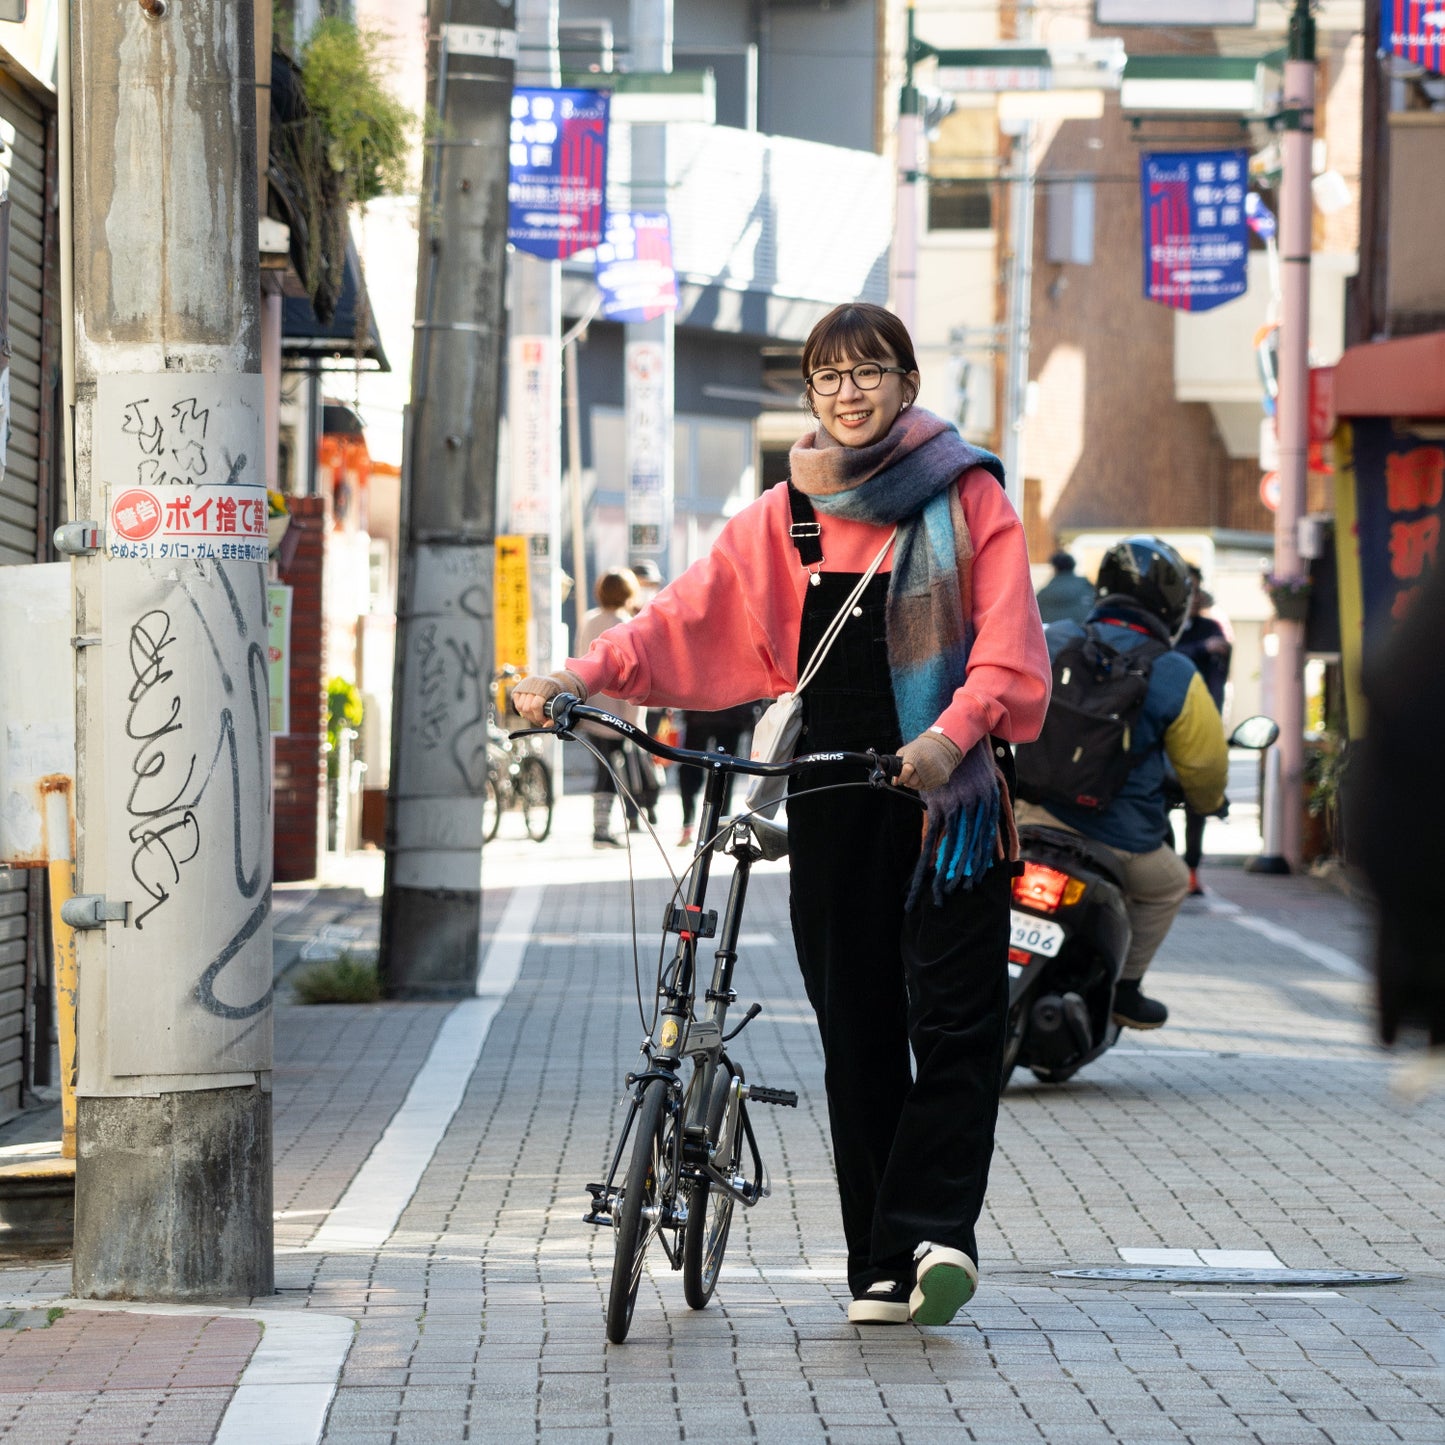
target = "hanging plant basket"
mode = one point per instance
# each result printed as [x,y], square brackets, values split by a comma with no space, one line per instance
[1290,597]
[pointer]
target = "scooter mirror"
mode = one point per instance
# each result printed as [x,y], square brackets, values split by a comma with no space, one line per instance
[1257,732]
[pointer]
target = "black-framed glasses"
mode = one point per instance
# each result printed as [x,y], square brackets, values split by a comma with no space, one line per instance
[867,376]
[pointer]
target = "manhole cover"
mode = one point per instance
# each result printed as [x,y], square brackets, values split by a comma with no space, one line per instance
[1200,1274]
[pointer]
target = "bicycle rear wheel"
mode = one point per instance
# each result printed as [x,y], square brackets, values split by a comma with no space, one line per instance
[637,1214]
[491,807]
[710,1208]
[534,789]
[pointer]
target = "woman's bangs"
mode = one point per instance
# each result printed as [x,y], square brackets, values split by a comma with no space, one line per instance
[848,335]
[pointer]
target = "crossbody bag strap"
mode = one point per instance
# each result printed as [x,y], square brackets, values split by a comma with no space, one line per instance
[805,530]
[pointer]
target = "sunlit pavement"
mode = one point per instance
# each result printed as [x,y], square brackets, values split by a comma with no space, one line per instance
[1260,1124]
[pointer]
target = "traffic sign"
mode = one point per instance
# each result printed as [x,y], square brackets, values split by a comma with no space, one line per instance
[1269,490]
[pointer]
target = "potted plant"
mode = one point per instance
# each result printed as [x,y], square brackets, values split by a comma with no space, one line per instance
[1290,596]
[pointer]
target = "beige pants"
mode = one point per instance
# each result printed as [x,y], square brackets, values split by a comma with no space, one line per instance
[1155,884]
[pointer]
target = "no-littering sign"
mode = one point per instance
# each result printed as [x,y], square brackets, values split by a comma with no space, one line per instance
[160,523]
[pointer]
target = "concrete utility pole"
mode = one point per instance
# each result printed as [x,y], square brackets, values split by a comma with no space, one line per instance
[649,345]
[910,160]
[534,410]
[431,909]
[173,869]
[1020,292]
[1295,217]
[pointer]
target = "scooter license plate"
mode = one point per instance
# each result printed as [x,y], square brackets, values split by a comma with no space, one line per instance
[1036,935]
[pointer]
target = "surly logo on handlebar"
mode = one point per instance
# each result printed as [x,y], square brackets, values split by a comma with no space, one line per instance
[827,757]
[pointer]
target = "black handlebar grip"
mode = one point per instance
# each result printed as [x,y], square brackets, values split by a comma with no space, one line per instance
[889,764]
[563,702]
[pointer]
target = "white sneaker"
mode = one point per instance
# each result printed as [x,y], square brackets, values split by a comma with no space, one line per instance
[884,1302]
[946,1280]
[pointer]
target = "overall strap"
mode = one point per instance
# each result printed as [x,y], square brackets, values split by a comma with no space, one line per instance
[805,530]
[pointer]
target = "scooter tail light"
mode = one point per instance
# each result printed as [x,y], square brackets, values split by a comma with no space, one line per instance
[1073,891]
[1041,887]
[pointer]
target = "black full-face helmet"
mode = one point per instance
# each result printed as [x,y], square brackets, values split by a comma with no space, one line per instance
[1150,574]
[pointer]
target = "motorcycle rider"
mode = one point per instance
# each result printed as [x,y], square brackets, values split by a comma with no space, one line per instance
[1144,588]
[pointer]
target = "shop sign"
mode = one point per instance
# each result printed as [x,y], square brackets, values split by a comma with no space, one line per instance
[1415,31]
[558,182]
[1195,234]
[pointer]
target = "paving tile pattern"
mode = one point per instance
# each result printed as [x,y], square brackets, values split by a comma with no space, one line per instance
[1261,1119]
[116,1378]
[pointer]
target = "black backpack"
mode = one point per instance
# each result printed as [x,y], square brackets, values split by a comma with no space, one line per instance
[1082,755]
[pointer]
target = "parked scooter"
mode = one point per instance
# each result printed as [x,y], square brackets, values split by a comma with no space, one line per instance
[1070,937]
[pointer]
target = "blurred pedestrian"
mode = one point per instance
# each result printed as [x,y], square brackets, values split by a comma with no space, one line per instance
[1065,597]
[616,591]
[1206,644]
[649,582]
[709,732]
[901,923]
[1394,801]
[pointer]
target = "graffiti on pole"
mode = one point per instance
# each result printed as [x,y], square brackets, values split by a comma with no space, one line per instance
[447,673]
[186,722]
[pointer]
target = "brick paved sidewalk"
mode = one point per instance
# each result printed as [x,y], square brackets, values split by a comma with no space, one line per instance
[1261,1119]
[109,1378]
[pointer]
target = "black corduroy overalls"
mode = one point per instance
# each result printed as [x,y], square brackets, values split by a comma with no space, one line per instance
[911,1141]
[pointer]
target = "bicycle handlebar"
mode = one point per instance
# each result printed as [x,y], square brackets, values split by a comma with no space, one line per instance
[564,710]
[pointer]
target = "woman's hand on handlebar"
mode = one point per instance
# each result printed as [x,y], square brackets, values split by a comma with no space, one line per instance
[532,694]
[928,761]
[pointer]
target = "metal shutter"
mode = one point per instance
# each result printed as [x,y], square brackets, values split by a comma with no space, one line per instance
[22,173]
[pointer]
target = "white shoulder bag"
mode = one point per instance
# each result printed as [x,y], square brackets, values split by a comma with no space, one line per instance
[776,733]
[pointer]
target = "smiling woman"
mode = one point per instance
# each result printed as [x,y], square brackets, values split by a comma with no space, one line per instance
[938,655]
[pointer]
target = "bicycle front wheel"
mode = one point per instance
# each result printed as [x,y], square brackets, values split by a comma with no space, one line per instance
[534,789]
[635,1217]
[709,1207]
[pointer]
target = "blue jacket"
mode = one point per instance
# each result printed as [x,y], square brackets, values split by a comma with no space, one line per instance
[1178,721]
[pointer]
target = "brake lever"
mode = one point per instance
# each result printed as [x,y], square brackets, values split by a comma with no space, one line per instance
[539,733]
[886,767]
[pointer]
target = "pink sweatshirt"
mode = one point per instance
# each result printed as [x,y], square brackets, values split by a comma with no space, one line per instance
[726,631]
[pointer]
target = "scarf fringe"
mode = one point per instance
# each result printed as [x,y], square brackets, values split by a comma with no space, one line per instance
[961,836]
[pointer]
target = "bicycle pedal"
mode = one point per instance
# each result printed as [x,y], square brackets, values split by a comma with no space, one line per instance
[757,1094]
[601,1211]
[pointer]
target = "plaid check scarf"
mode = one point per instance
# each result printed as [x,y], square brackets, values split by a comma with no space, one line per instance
[909,477]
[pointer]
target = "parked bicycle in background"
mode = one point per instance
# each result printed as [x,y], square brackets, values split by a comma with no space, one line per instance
[518,778]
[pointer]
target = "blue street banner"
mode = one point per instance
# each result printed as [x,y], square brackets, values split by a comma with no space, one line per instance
[558,184]
[634,266]
[1195,235]
[1415,31]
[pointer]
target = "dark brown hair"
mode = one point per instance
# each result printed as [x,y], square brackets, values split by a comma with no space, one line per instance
[857,329]
[616,588]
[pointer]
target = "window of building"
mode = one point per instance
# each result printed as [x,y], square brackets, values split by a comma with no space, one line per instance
[960,205]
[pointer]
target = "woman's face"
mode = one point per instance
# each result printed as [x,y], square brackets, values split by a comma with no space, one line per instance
[854,417]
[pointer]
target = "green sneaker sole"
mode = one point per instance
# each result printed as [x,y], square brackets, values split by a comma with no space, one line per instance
[940,1294]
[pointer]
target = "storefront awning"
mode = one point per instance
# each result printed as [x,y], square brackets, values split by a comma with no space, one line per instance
[332,346]
[1403,377]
